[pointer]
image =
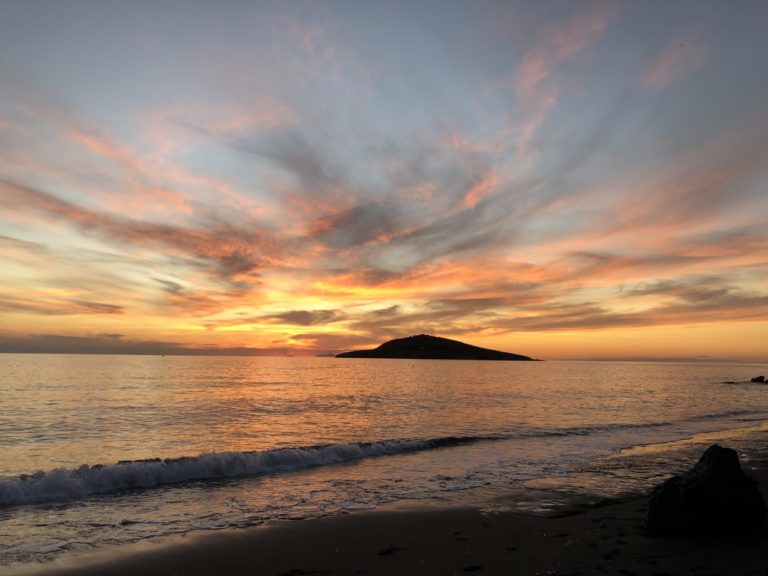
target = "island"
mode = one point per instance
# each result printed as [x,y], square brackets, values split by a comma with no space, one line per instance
[425,347]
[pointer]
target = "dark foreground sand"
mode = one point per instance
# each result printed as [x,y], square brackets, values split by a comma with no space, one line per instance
[605,540]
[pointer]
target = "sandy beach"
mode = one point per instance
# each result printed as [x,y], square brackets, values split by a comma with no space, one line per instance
[398,540]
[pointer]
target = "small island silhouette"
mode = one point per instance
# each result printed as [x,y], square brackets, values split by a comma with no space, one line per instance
[425,347]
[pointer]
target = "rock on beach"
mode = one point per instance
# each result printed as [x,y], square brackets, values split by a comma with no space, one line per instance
[714,497]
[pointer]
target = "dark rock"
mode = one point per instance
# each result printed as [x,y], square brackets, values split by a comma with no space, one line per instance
[428,347]
[760,379]
[714,497]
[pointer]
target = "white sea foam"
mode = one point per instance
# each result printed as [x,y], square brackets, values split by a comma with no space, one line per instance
[62,484]
[92,480]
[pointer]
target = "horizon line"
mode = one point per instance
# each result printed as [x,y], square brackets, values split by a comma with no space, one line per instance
[275,354]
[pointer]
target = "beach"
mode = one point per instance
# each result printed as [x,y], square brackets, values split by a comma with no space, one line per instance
[444,540]
[396,540]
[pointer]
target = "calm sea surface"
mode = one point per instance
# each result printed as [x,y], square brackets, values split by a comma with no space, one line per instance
[100,450]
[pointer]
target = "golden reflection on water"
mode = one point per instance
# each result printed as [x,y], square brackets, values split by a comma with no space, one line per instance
[68,410]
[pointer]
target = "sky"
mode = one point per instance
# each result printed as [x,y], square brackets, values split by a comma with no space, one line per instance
[564,180]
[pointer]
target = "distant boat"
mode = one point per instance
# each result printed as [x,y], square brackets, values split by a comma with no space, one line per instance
[425,347]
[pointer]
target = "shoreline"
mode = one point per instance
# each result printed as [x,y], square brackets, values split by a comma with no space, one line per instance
[403,538]
[607,539]
[536,527]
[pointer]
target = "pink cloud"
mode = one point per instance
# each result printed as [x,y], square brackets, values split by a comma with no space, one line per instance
[233,251]
[554,47]
[559,45]
[487,184]
[678,58]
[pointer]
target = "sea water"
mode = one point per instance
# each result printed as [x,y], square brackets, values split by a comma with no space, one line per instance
[103,450]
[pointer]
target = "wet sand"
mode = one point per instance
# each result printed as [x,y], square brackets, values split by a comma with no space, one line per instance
[394,541]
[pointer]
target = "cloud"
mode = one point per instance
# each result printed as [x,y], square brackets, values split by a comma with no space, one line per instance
[679,57]
[711,294]
[325,342]
[357,225]
[555,45]
[471,229]
[446,316]
[480,177]
[484,186]
[170,286]
[290,318]
[374,213]
[306,317]
[147,180]
[736,244]
[18,243]
[606,267]
[291,150]
[108,343]
[49,306]
[688,303]
[98,307]
[201,302]
[229,250]
[110,336]
[560,44]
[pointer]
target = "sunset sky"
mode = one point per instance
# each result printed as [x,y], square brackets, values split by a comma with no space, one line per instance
[556,179]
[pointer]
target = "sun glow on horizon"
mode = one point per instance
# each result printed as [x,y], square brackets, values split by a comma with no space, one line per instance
[525,177]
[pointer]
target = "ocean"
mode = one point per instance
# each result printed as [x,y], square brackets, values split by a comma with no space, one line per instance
[97,451]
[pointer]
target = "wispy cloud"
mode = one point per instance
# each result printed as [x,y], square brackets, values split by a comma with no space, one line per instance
[682,55]
[55,307]
[109,343]
[561,43]
[230,250]
[555,46]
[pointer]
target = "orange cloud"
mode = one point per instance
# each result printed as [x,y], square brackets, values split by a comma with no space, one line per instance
[40,303]
[232,250]
[485,185]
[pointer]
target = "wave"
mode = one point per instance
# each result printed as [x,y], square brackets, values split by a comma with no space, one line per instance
[100,479]
[87,480]
[746,414]
[729,414]
[598,428]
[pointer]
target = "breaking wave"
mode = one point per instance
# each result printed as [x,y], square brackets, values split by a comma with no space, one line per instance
[62,483]
[93,480]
